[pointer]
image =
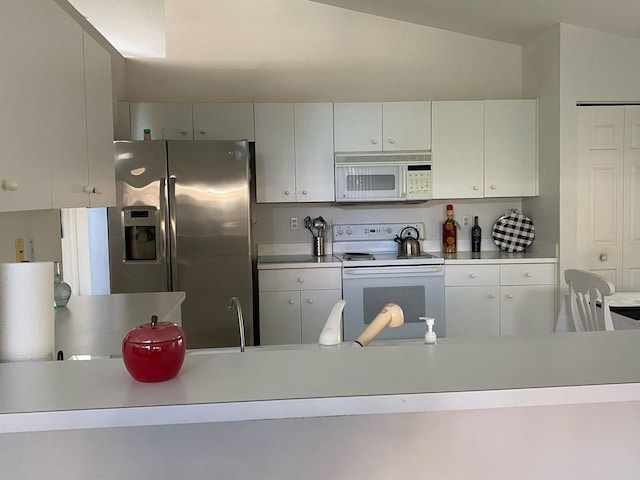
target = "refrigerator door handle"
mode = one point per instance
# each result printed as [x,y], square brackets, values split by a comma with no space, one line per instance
[164,242]
[173,237]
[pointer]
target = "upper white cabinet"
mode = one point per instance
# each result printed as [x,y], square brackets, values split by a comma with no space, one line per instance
[510,148]
[166,121]
[100,186]
[294,152]
[50,133]
[458,149]
[382,126]
[223,121]
[485,149]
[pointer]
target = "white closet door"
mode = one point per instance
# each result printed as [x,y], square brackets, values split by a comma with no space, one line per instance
[631,220]
[599,214]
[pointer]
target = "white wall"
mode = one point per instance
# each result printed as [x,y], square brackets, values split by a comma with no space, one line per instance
[293,50]
[43,226]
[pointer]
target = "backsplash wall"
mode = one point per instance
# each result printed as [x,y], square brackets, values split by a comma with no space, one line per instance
[271,222]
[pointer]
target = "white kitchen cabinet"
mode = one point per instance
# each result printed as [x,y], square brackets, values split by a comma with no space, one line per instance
[167,121]
[608,193]
[499,299]
[295,303]
[382,126]
[52,136]
[223,121]
[510,148]
[100,184]
[313,124]
[294,152]
[458,149]
[484,149]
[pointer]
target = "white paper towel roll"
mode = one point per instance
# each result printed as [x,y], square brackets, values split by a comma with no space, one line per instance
[27,329]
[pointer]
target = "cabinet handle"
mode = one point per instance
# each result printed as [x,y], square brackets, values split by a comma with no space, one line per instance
[528,274]
[473,275]
[392,141]
[509,295]
[492,295]
[287,192]
[90,189]
[374,141]
[310,300]
[291,302]
[184,131]
[300,280]
[203,131]
[476,187]
[11,185]
[603,257]
[493,187]
[304,192]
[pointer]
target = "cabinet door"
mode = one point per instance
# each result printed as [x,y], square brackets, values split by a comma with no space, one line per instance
[167,121]
[510,148]
[275,154]
[314,152]
[223,121]
[472,311]
[358,127]
[527,310]
[99,104]
[631,222]
[280,321]
[66,135]
[316,306]
[599,214]
[24,167]
[406,126]
[458,149]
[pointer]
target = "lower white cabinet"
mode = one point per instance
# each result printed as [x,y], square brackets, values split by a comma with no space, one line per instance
[499,299]
[295,303]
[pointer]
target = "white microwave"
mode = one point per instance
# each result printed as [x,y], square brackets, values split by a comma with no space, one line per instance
[383,177]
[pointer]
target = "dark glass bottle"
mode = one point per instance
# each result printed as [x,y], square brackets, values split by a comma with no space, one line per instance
[476,236]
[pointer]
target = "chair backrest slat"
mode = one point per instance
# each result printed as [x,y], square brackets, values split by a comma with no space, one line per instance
[586,290]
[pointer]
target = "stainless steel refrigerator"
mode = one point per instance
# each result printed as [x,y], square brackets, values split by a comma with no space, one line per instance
[182,224]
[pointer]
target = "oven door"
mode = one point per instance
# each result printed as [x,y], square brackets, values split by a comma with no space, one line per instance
[418,290]
[370,183]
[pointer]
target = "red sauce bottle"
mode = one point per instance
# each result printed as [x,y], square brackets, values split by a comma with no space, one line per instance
[449,232]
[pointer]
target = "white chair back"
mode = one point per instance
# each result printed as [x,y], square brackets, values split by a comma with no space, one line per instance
[586,290]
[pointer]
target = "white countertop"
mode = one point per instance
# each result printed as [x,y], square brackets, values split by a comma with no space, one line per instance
[314,381]
[276,262]
[496,256]
[97,324]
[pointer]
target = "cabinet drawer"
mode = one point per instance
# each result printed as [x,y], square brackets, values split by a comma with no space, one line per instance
[527,274]
[459,275]
[299,279]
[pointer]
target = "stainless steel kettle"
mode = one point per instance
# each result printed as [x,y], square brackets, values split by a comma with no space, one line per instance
[408,245]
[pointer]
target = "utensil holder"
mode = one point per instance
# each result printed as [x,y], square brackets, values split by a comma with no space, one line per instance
[318,247]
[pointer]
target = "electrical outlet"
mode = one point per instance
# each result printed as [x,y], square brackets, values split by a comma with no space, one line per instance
[293,223]
[466,221]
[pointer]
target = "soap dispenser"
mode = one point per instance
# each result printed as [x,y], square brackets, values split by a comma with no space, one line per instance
[429,337]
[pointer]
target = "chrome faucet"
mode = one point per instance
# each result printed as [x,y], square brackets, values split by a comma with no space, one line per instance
[235,300]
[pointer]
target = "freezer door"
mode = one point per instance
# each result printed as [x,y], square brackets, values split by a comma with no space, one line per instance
[209,207]
[138,245]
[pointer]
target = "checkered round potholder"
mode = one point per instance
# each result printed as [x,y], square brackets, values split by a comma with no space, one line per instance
[513,232]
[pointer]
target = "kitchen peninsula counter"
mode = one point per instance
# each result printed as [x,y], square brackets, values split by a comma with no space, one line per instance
[260,384]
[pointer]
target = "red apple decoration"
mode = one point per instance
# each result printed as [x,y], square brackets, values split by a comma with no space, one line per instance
[154,352]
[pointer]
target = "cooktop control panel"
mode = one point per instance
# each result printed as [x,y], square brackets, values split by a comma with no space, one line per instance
[372,231]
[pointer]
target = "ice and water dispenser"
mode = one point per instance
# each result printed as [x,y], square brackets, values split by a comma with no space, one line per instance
[140,224]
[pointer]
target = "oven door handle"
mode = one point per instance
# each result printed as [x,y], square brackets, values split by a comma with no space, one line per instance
[394,271]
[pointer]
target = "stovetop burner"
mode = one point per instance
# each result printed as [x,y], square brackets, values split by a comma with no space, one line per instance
[358,256]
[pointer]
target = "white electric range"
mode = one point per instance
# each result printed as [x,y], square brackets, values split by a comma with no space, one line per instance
[374,274]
